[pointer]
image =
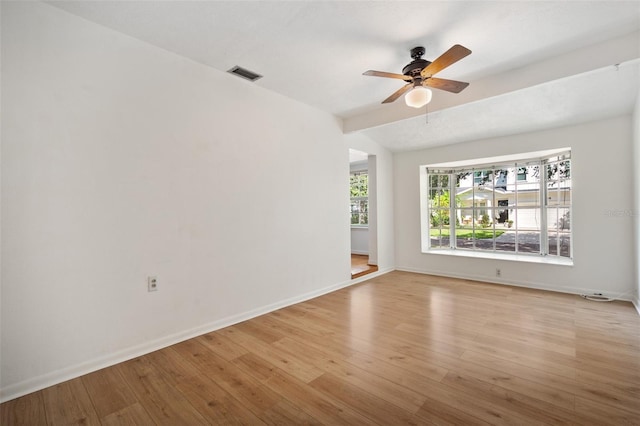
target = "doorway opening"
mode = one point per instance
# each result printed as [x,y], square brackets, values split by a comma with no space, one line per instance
[362,187]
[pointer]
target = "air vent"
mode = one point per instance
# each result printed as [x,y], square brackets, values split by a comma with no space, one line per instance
[244,73]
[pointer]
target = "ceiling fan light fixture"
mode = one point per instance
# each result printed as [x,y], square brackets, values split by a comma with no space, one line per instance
[418,97]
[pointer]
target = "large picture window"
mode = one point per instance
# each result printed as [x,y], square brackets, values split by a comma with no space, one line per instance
[514,207]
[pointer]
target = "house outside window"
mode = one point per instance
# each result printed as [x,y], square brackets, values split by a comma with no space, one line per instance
[359,191]
[521,207]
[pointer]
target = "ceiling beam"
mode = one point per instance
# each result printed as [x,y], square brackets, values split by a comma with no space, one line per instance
[611,52]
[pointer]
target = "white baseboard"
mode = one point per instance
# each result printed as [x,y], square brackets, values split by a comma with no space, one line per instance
[360,252]
[526,284]
[636,303]
[37,383]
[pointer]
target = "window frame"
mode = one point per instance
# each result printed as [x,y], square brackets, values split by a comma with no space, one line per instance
[541,208]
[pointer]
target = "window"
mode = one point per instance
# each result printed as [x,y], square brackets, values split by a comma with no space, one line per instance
[359,186]
[518,207]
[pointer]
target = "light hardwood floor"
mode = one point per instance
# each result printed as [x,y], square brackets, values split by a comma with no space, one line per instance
[401,348]
[360,266]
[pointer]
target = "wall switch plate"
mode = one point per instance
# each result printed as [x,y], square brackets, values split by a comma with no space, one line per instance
[152,283]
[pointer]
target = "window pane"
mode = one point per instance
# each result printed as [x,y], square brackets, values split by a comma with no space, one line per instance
[359,212]
[359,184]
[522,173]
[506,241]
[439,181]
[528,241]
[438,198]
[465,217]
[439,218]
[433,181]
[527,225]
[559,231]
[500,179]
[527,219]
[482,177]
[559,196]
[439,237]
[502,212]
[464,235]
[464,180]
[529,198]
[558,170]
[559,192]
[529,191]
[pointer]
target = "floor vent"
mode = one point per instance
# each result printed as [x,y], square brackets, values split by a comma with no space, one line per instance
[244,73]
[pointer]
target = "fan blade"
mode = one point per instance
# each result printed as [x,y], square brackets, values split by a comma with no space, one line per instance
[448,85]
[449,57]
[398,93]
[387,74]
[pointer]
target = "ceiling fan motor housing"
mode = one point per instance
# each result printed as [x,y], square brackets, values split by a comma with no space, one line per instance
[418,64]
[413,69]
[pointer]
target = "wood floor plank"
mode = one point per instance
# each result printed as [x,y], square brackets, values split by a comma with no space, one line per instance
[441,413]
[621,396]
[509,401]
[598,413]
[133,415]
[215,404]
[402,348]
[27,410]
[378,383]
[286,413]
[222,345]
[108,391]
[378,410]
[68,403]
[477,405]
[245,388]
[164,403]
[530,357]
[327,410]
[316,405]
[281,357]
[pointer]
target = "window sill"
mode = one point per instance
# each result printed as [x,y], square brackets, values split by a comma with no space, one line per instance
[549,260]
[359,226]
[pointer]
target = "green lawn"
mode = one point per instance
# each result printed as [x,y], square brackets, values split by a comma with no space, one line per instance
[481,234]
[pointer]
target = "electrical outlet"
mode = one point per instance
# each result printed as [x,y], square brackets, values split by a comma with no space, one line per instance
[152,283]
[498,272]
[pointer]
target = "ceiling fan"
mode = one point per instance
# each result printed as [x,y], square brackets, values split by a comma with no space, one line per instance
[419,73]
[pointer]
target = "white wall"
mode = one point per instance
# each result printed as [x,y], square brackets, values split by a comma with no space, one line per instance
[359,240]
[636,203]
[121,160]
[384,239]
[601,169]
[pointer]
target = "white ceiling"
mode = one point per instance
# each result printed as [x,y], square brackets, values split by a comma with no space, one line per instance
[315,52]
[603,93]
